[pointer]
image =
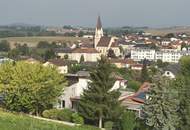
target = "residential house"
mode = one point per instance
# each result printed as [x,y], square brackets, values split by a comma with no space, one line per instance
[123,63]
[77,83]
[137,67]
[172,70]
[135,101]
[89,54]
[62,65]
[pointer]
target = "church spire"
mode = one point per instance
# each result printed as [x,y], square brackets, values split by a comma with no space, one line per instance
[99,32]
[99,23]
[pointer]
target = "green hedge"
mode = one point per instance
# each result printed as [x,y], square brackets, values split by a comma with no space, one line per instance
[58,114]
[76,118]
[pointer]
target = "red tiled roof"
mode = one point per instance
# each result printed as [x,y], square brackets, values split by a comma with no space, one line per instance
[143,88]
[85,50]
[137,65]
[114,44]
[104,41]
[61,62]
[124,61]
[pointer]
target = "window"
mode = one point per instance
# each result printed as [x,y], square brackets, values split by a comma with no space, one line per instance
[63,104]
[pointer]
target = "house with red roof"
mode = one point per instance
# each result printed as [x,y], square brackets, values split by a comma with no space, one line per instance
[135,101]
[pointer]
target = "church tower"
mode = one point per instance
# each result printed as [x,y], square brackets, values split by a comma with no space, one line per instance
[99,32]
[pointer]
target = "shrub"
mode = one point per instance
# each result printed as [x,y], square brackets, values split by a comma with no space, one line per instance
[65,115]
[76,118]
[133,84]
[88,127]
[108,125]
[51,114]
[128,121]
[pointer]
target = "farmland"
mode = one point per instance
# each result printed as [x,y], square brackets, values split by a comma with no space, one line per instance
[33,41]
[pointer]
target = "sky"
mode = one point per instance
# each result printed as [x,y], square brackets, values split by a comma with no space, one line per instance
[114,13]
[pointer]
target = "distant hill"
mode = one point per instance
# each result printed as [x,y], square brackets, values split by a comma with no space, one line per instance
[164,31]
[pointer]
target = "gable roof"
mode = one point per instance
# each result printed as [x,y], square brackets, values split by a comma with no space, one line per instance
[139,96]
[174,68]
[114,44]
[85,50]
[61,62]
[99,23]
[104,41]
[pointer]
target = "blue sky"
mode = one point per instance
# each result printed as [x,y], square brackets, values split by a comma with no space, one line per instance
[154,13]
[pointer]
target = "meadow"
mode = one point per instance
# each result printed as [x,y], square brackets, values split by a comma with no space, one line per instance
[10,121]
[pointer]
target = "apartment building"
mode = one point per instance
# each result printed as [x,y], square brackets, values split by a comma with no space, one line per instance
[152,55]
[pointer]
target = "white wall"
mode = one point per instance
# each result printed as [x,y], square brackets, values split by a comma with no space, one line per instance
[141,54]
[169,74]
[76,90]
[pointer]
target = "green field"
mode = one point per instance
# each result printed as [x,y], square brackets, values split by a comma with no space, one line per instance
[164,31]
[33,41]
[9,121]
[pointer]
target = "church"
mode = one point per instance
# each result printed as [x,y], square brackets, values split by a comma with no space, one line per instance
[103,43]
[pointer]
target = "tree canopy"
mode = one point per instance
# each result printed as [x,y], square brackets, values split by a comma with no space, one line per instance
[162,104]
[30,88]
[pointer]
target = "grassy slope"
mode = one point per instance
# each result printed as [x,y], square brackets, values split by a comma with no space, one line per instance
[9,121]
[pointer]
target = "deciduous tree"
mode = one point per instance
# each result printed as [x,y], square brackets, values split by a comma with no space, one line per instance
[30,88]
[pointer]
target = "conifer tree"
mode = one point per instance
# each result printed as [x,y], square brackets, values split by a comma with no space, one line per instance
[82,58]
[182,83]
[144,72]
[162,105]
[98,103]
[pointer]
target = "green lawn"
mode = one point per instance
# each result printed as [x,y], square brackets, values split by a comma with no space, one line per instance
[9,121]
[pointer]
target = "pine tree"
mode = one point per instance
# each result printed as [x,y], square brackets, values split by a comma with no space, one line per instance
[82,58]
[162,105]
[111,54]
[98,102]
[144,72]
[182,83]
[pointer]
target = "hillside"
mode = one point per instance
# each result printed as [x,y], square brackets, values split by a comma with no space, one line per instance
[164,31]
[9,121]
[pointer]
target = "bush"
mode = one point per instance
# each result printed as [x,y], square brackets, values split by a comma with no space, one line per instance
[65,115]
[108,125]
[76,118]
[88,127]
[62,115]
[128,121]
[51,114]
[133,84]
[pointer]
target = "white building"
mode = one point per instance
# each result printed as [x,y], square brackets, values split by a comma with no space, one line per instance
[62,65]
[141,54]
[168,56]
[78,83]
[103,43]
[89,54]
[171,56]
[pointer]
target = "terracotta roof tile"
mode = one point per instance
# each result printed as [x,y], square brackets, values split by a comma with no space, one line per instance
[85,50]
[61,62]
[104,41]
